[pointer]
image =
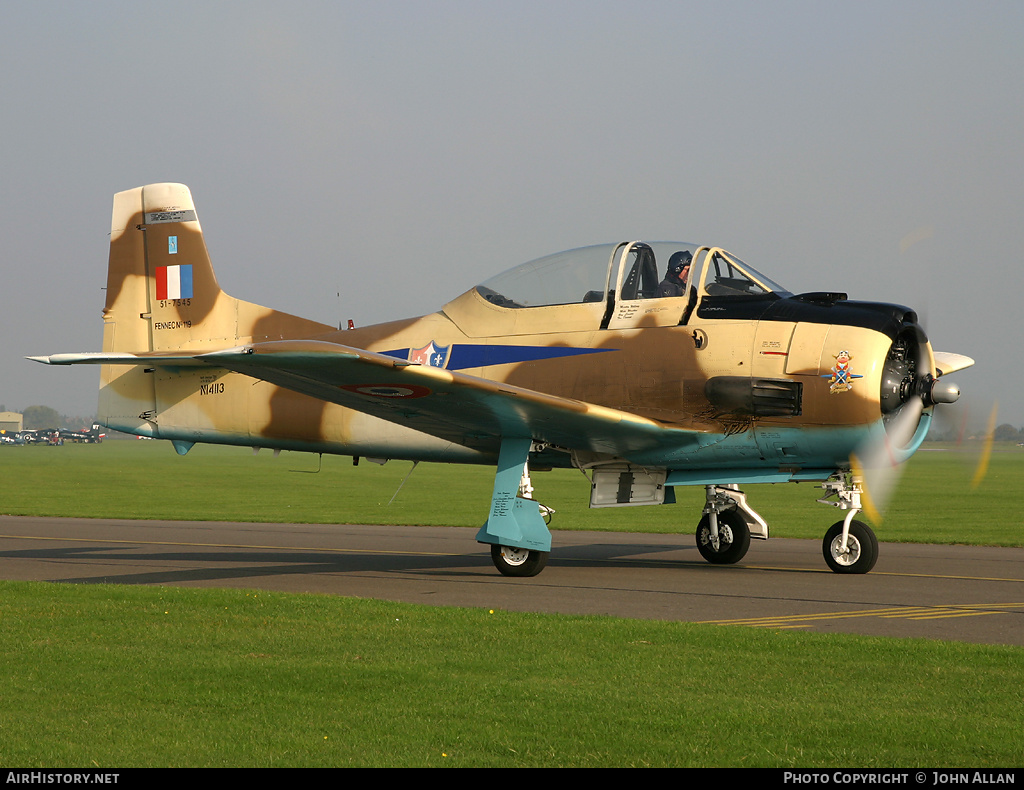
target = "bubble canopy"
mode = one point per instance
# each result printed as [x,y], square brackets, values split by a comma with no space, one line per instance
[630,270]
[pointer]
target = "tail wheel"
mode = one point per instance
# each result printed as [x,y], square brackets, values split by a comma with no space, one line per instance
[861,548]
[512,561]
[733,538]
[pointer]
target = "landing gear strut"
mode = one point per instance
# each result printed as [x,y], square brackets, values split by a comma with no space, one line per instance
[516,528]
[849,546]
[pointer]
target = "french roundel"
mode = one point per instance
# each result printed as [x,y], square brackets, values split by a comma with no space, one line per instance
[388,390]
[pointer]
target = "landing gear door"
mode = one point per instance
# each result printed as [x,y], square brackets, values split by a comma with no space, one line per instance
[637,304]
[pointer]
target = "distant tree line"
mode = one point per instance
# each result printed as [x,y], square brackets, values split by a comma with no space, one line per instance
[1003,433]
[1007,433]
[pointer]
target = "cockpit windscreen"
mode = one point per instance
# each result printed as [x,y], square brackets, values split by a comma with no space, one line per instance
[563,278]
[589,274]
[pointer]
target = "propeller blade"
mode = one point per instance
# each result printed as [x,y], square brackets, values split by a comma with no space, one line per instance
[986,450]
[973,454]
[879,465]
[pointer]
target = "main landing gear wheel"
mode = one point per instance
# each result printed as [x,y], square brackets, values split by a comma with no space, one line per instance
[733,538]
[512,561]
[861,548]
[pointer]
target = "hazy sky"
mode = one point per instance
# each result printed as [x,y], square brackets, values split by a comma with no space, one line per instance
[398,153]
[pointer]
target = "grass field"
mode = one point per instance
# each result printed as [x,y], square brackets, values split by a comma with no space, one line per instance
[146,479]
[105,677]
[101,676]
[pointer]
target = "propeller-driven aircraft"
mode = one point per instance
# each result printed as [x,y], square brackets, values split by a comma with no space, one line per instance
[712,376]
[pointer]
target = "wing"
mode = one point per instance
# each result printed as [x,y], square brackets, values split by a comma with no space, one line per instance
[948,362]
[468,410]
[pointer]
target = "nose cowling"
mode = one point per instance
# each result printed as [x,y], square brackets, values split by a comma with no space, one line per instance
[910,385]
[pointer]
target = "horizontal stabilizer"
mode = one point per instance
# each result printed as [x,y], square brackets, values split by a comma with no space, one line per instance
[115,358]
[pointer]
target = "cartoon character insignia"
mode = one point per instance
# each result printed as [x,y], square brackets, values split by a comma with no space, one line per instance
[430,354]
[842,376]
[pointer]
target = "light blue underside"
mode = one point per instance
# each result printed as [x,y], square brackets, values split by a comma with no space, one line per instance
[808,454]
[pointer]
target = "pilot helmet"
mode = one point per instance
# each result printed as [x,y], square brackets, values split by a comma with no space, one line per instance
[679,261]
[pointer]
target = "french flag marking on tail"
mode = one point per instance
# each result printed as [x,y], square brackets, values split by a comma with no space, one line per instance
[174,282]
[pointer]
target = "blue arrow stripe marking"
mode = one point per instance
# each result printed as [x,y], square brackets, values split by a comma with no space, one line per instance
[464,356]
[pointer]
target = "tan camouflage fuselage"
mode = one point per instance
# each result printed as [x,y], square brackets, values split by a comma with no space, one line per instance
[653,367]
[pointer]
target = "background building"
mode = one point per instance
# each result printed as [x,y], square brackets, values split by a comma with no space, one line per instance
[11,421]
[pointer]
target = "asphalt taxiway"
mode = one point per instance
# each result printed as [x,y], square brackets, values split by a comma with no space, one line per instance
[972,594]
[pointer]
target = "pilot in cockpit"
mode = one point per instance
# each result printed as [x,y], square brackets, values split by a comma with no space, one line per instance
[678,271]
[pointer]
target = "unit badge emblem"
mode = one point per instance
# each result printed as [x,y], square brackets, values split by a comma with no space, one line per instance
[842,375]
[430,354]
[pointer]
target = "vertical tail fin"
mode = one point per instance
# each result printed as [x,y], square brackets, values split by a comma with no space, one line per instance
[162,295]
[155,236]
